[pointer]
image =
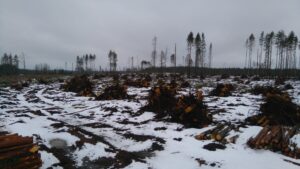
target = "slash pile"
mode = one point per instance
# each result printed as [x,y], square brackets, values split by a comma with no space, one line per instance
[276,138]
[222,90]
[114,92]
[161,100]
[277,110]
[137,83]
[264,90]
[191,111]
[188,110]
[18,152]
[80,85]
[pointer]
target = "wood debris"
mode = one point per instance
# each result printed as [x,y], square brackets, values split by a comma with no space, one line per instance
[219,133]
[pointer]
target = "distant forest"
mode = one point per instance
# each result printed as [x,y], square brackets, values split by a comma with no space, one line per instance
[268,54]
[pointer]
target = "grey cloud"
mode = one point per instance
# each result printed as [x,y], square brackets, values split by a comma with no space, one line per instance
[55,31]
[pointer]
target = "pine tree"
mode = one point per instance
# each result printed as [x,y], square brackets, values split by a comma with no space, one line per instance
[197,49]
[261,43]
[190,41]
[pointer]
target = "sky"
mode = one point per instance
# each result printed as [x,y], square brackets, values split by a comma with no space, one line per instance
[56,31]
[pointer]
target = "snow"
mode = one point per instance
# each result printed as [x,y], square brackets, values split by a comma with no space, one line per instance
[92,152]
[95,119]
[48,159]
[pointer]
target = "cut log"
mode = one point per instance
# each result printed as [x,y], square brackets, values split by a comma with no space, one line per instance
[222,133]
[261,135]
[13,141]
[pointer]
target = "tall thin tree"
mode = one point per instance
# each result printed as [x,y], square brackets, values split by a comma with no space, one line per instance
[190,41]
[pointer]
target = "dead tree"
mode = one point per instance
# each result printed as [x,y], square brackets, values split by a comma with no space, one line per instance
[210,55]
[112,56]
[173,58]
[154,52]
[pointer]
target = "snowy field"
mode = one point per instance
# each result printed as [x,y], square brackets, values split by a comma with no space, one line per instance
[79,132]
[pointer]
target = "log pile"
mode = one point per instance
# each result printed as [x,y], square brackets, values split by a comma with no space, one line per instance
[114,92]
[17,152]
[277,110]
[80,85]
[222,90]
[276,138]
[219,133]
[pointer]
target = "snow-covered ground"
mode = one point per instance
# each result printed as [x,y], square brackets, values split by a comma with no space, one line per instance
[115,134]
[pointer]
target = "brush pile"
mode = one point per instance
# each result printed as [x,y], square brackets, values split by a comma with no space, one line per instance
[188,110]
[219,133]
[80,85]
[277,110]
[17,152]
[222,90]
[185,84]
[277,138]
[138,82]
[114,92]
[264,90]
[279,81]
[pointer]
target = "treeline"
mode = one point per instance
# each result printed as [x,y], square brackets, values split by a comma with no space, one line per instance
[265,73]
[285,55]
[197,54]
[9,64]
[85,63]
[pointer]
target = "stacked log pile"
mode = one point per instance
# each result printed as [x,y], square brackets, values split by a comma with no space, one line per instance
[222,90]
[276,138]
[17,152]
[219,133]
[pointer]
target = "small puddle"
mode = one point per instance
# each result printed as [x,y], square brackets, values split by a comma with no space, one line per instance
[58,143]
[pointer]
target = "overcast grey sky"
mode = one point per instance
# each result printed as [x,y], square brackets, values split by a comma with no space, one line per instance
[56,31]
